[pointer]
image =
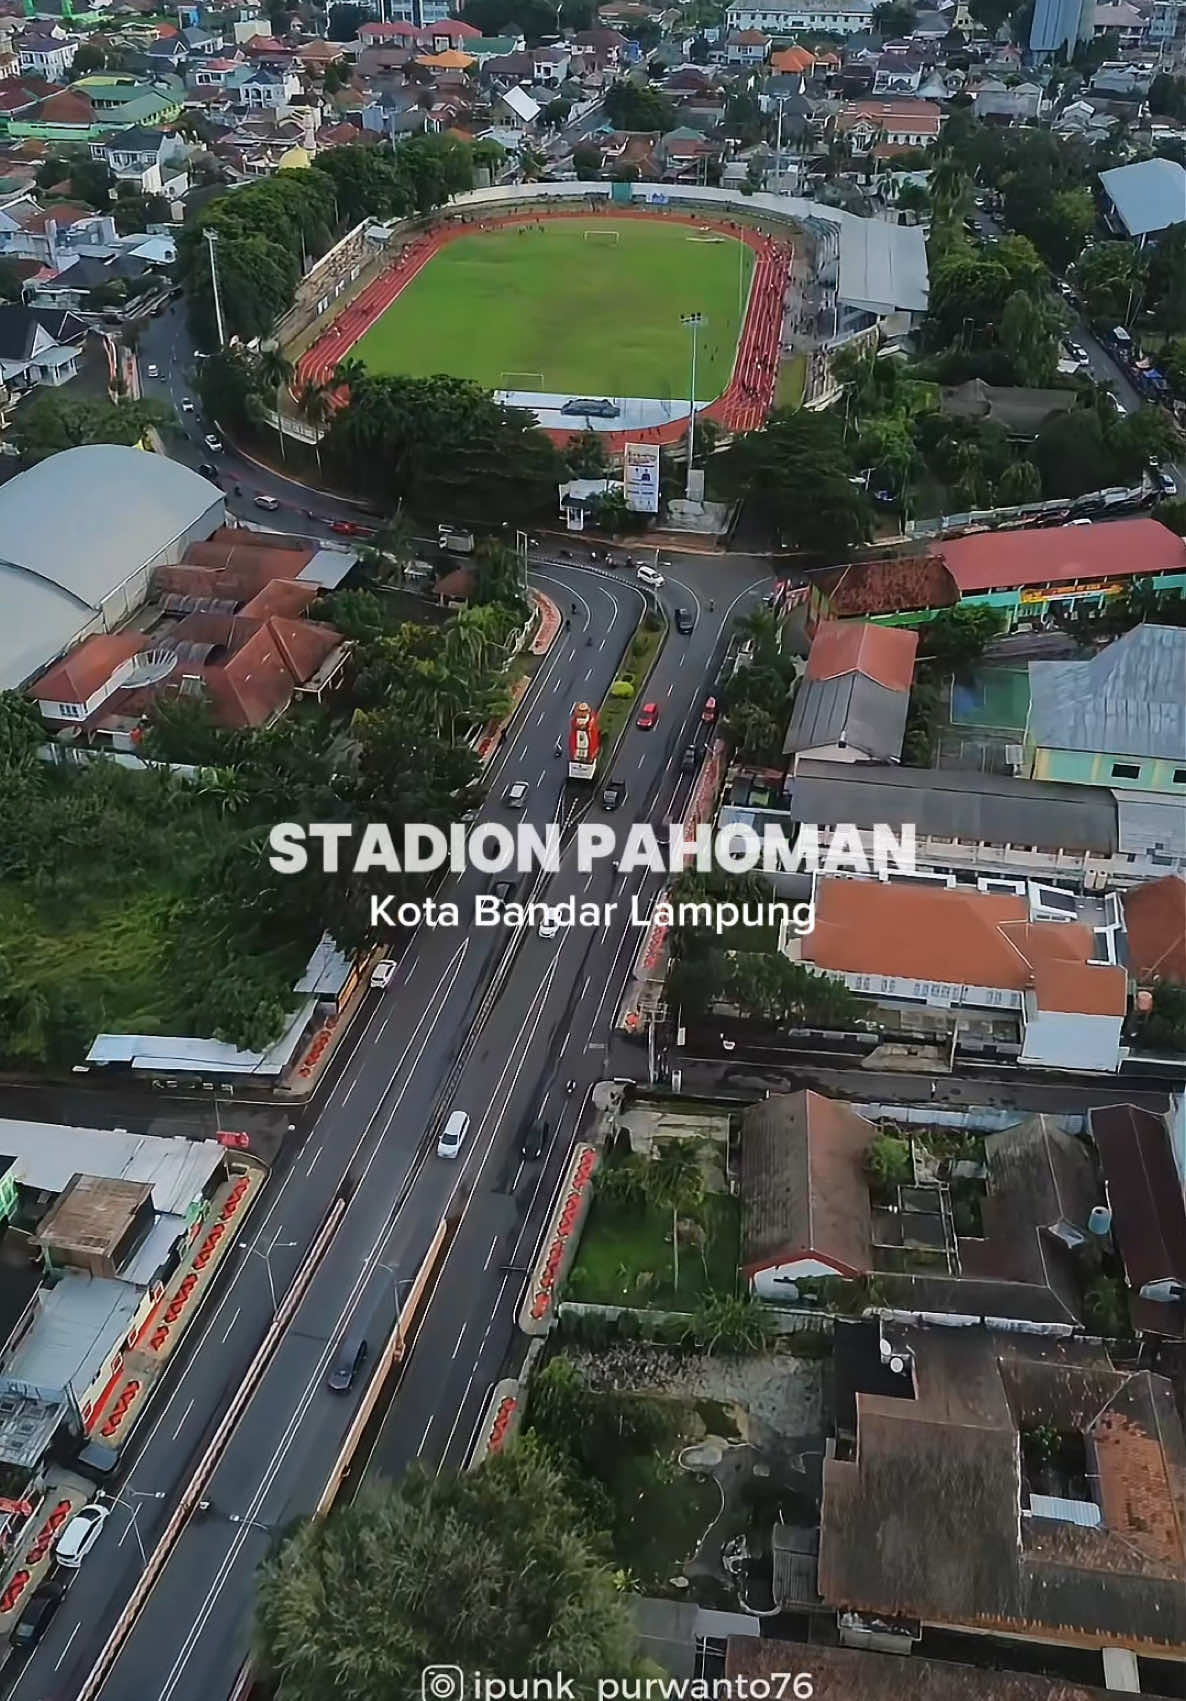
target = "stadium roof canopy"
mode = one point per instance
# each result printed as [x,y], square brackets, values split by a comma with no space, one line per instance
[73,530]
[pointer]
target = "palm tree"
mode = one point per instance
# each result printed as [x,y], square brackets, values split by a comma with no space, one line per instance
[676,1180]
[275,374]
[315,401]
[760,628]
[348,372]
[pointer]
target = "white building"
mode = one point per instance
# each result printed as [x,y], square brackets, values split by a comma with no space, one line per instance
[776,19]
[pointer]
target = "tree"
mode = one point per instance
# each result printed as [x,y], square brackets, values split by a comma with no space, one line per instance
[586,161]
[1111,278]
[1028,333]
[1071,453]
[633,106]
[53,421]
[1166,294]
[1167,96]
[555,113]
[1021,482]
[894,18]
[888,1162]
[91,181]
[315,402]
[90,56]
[795,451]
[675,1179]
[734,1324]
[488,1569]
[22,733]
[957,637]
[275,374]
[10,281]
[345,19]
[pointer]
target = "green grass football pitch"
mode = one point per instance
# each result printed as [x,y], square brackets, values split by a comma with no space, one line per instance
[544,309]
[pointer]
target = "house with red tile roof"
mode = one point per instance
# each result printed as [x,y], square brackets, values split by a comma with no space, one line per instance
[852,703]
[1144,1192]
[1155,917]
[941,1509]
[809,1210]
[998,960]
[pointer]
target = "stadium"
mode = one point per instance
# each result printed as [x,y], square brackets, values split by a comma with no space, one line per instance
[603,310]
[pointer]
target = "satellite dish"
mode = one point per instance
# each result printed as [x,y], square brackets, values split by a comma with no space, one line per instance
[897,1365]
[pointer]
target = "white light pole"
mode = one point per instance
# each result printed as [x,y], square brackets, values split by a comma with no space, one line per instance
[693,321]
[276,1246]
[211,237]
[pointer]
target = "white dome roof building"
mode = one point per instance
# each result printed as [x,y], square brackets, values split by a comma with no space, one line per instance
[80,534]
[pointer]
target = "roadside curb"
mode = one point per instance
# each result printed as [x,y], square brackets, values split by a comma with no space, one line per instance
[559,1244]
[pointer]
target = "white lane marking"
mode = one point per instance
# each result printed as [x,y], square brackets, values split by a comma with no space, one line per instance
[427,1021]
[229,1327]
[490,1254]
[182,1418]
[61,1658]
[424,1437]
[313,1160]
[450,972]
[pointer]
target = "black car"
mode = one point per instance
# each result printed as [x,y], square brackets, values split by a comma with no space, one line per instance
[613,795]
[33,1623]
[210,471]
[688,760]
[535,1138]
[685,620]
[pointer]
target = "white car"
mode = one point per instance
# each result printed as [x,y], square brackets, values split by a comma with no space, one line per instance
[516,795]
[269,504]
[154,371]
[81,1534]
[453,1134]
[186,405]
[382,974]
[649,576]
[213,443]
[549,927]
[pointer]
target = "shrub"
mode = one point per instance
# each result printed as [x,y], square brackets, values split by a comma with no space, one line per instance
[622,687]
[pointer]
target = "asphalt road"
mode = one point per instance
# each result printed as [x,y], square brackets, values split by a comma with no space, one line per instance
[405,1064]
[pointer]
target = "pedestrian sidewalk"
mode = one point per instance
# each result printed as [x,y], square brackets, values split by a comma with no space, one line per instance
[126,1394]
[31,1556]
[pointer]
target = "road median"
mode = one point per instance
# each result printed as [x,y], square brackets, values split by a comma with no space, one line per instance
[630,682]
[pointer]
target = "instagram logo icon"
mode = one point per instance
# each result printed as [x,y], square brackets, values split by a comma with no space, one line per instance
[442,1683]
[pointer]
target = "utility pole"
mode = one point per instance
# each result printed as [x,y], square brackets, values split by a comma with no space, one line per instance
[693,321]
[211,239]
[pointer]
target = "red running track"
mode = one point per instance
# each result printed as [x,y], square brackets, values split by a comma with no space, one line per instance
[742,406]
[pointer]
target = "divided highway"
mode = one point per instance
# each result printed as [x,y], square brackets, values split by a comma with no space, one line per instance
[414,1054]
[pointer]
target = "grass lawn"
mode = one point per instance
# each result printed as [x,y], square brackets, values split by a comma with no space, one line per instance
[105,953]
[792,381]
[547,310]
[618,1245]
[662,1511]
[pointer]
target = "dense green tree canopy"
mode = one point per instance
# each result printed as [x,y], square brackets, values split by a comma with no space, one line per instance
[491,1570]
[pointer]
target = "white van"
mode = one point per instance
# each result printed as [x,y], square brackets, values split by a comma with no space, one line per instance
[453,1134]
[649,576]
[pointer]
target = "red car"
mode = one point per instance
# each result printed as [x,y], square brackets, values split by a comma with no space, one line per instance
[709,712]
[647,717]
[235,1139]
[351,528]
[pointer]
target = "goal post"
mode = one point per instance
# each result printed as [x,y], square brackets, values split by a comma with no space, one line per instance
[509,379]
[602,235]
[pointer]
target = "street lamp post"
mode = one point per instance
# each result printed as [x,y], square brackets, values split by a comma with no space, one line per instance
[134,1512]
[693,321]
[396,1279]
[276,1246]
[211,237]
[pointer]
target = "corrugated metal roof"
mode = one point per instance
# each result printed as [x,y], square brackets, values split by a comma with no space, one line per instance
[1130,700]
[48,1154]
[976,808]
[76,527]
[1147,196]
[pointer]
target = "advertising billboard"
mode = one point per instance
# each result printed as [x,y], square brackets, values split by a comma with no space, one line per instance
[641,477]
